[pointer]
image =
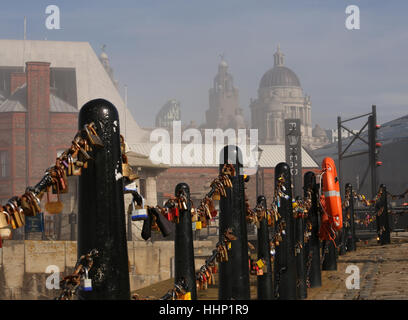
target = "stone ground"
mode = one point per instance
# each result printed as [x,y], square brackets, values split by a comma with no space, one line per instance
[383,275]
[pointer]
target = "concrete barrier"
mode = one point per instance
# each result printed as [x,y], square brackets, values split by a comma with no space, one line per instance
[23,265]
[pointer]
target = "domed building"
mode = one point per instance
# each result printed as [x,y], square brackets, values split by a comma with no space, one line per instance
[280,96]
[320,137]
[168,113]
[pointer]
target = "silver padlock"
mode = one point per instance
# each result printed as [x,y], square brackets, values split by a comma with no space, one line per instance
[139,212]
[86,282]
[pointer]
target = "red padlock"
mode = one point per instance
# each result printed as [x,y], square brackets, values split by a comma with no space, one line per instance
[175,211]
[169,215]
[214,213]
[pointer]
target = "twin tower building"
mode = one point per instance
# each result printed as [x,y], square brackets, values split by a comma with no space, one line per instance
[280,96]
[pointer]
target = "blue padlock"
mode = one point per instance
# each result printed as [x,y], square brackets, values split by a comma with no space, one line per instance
[86,282]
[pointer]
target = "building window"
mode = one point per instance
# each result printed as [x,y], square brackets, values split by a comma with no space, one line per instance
[269,127]
[4,164]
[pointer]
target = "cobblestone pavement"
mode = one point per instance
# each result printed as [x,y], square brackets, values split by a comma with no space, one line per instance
[383,273]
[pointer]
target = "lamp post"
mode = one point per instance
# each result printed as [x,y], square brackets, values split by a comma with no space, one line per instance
[260,150]
[293,151]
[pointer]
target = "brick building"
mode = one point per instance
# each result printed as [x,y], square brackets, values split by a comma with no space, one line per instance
[35,124]
[39,105]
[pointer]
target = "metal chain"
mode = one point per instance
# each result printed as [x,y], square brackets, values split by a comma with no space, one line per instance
[71,283]
[309,267]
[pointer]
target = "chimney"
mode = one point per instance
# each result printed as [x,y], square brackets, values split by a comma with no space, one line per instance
[17,79]
[38,93]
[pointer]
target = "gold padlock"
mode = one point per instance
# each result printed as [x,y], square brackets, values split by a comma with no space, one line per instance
[4,219]
[198,225]
[216,195]
[260,263]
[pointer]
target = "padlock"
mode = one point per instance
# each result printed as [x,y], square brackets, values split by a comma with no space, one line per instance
[216,195]
[259,272]
[168,215]
[183,203]
[86,282]
[194,215]
[4,219]
[186,296]
[139,214]
[93,138]
[130,188]
[5,233]
[198,225]
[260,263]
[70,165]
[174,211]
[194,225]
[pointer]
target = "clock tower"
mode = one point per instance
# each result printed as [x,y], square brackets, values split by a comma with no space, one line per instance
[224,111]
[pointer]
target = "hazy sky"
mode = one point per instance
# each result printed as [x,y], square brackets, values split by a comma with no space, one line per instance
[170,49]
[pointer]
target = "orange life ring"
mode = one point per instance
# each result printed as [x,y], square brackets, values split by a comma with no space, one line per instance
[331,193]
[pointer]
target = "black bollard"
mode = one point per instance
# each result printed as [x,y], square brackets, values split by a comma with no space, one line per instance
[285,261]
[329,256]
[313,271]
[264,282]
[234,274]
[343,237]
[101,212]
[183,245]
[345,230]
[300,257]
[351,239]
[383,226]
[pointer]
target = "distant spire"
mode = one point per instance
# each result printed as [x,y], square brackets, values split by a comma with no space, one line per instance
[223,63]
[278,57]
